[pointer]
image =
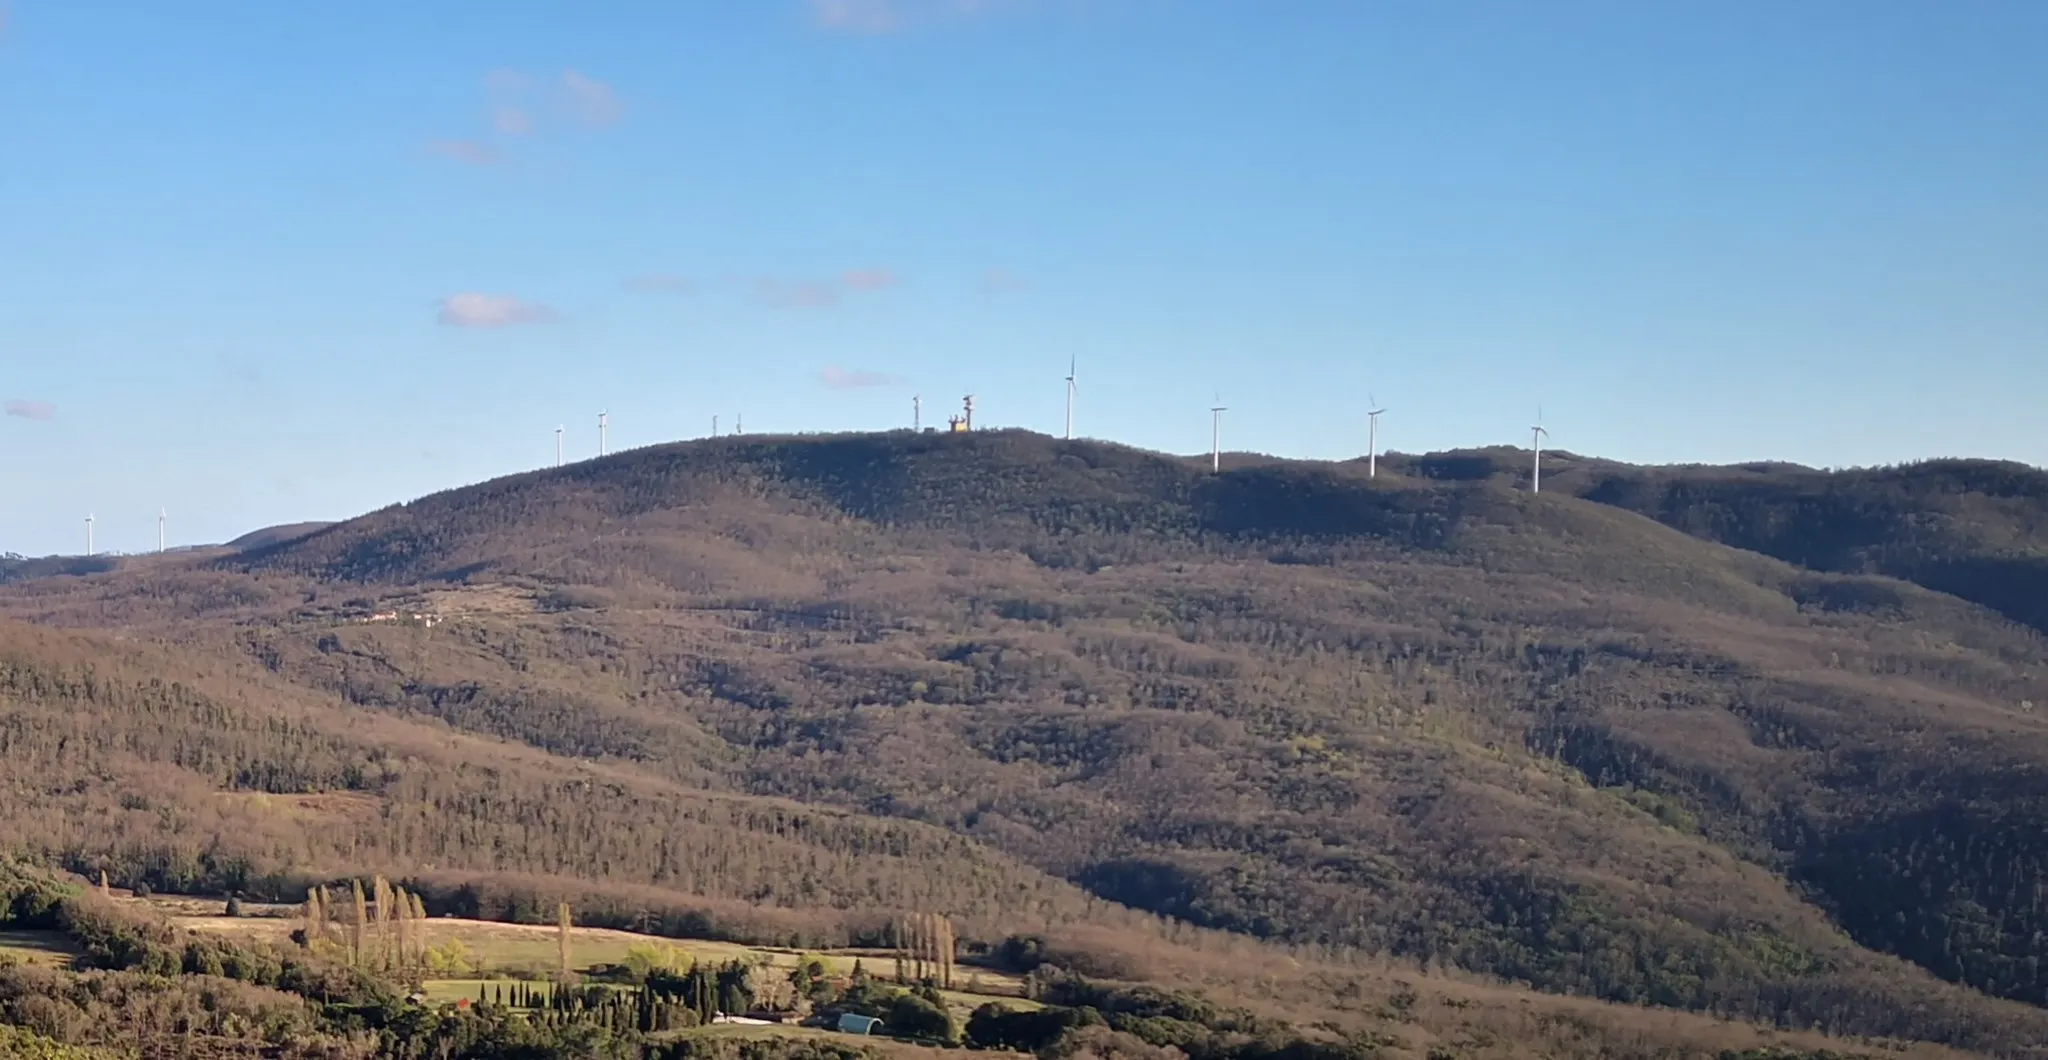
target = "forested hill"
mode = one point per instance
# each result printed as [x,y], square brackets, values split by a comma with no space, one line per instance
[1542,737]
[1976,529]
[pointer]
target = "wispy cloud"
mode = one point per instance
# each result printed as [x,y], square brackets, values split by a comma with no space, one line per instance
[869,279]
[857,16]
[889,16]
[795,294]
[661,282]
[516,104]
[999,281]
[820,294]
[590,101]
[30,410]
[511,121]
[471,310]
[468,152]
[838,378]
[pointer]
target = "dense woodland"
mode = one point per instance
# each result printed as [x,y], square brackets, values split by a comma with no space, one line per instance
[1770,753]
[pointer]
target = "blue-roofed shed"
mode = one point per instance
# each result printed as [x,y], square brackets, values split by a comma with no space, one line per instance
[853,1023]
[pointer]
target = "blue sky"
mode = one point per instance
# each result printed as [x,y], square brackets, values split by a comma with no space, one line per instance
[265,262]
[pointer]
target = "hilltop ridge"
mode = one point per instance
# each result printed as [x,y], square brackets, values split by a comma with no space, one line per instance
[1574,739]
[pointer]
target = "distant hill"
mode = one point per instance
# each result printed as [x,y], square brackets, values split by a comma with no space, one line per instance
[1712,739]
[274,535]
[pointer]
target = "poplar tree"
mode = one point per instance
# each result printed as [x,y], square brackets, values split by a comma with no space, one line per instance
[361,908]
[384,898]
[401,918]
[562,938]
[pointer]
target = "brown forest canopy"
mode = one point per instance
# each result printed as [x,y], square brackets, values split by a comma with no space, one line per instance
[1758,741]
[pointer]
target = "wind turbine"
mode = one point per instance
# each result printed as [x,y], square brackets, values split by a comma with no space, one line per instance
[1536,436]
[1071,362]
[1216,412]
[714,425]
[88,537]
[1372,437]
[558,447]
[162,514]
[916,413]
[601,417]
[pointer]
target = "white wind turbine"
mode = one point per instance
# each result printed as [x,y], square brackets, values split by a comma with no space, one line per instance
[558,447]
[1536,435]
[1372,437]
[1216,412]
[603,419]
[1071,362]
[88,537]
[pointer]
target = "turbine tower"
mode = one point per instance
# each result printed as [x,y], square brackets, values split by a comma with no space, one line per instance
[601,417]
[162,514]
[714,425]
[88,537]
[558,447]
[1372,437]
[1070,397]
[1216,412]
[1536,436]
[739,423]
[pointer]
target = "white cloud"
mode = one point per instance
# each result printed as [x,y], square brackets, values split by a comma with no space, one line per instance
[889,16]
[30,410]
[869,279]
[857,16]
[469,152]
[511,121]
[663,282]
[471,310]
[821,294]
[795,294]
[998,281]
[592,102]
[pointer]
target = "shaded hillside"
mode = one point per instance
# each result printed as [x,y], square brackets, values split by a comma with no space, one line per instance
[1975,529]
[197,779]
[1534,736]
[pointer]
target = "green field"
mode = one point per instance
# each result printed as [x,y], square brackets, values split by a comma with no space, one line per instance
[48,948]
[884,1045]
[530,950]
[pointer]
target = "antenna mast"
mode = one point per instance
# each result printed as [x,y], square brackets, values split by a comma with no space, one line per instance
[916,413]
[714,425]
[1070,397]
[1216,435]
[967,420]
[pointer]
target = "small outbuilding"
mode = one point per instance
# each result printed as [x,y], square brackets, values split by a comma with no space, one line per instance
[853,1023]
